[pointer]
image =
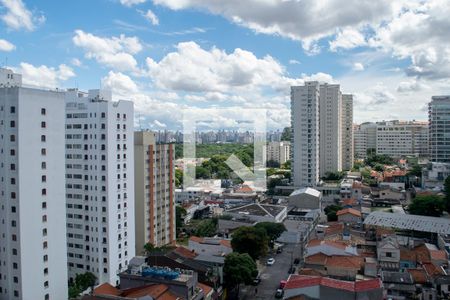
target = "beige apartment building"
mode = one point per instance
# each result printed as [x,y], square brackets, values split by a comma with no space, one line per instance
[154,191]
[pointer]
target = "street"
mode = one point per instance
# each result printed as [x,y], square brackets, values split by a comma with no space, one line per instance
[271,275]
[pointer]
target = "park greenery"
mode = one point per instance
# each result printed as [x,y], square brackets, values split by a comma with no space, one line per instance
[333,176]
[331,211]
[149,248]
[427,205]
[81,283]
[209,150]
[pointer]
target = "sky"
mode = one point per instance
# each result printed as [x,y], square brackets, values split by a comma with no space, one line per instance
[177,57]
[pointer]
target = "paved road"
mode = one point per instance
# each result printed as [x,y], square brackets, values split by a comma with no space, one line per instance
[271,276]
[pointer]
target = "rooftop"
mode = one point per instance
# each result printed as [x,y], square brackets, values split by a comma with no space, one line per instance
[308,191]
[301,281]
[257,209]
[409,222]
[351,211]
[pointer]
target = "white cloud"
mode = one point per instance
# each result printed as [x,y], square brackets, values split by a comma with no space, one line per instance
[76,62]
[151,17]
[306,21]
[6,46]
[114,52]
[44,76]
[411,86]
[18,17]
[194,69]
[320,76]
[119,84]
[348,38]
[132,2]
[358,66]
[159,124]
[294,62]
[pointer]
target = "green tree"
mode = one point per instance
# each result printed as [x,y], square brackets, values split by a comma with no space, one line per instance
[334,176]
[180,213]
[250,240]
[427,205]
[331,211]
[286,135]
[272,229]
[447,193]
[272,164]
[416,170]
[287,165]
[178,177]
[81,283]
[239,268]
[207,228]
[149,248]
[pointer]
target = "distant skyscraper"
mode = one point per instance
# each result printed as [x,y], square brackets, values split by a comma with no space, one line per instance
[439,128]
[347,132]
[154,191]
[33,256]
[305,134]
[99,184]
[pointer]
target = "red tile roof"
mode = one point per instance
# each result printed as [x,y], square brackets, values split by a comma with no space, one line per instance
[350,201]
[244,189]
[106,289]
[316,242]
[349,211]
[316,259]
[301,281]
[418,275]
[196,239]
[409,255]
[184,252]
[438,255]
[433,270]
[344,262]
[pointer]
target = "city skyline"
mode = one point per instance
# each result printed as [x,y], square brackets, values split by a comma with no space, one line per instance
[135,47]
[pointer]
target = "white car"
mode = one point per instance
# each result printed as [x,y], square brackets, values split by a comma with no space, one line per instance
[270,261]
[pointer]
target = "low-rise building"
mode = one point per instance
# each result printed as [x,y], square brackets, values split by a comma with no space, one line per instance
[349,215]
[388,253]
[306,198]
[434,175]
[210,246]
[259,212]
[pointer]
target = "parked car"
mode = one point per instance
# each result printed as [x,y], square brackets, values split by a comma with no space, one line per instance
[282,284]
[279,250]
[257,280]
[296,261]
[270,261]
[279,293]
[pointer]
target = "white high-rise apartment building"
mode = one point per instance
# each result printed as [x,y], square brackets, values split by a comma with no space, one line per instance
[392,138]
[439,128]
[347,132]
[330,133]
[99,184]
[305,134]
[154,191]
[278,152]
[33,257]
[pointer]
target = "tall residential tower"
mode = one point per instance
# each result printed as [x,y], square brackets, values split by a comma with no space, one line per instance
[439,128]
[33,256]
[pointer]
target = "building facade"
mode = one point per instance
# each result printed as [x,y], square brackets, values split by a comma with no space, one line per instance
[154,191]
[99,184]
[330,132]
[305,133]
[439,128]
[278,152]
[393,138]
[347,132]
[33,263]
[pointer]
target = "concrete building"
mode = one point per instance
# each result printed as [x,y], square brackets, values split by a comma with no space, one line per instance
[256,212]
[278,152]
[305,134]
[330,132]
[33,257]
[210,246]
[393,138]
[321,130]
[364,138]
[400,138]
[434,175]
[347,132]
[439,128]
[306,198]
[154,191]
[99,184]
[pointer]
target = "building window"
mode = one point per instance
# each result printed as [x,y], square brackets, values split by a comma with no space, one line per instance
[47,297]
[43,125]
[12,109]
[44,192]
[46,284]
[45,258]
[44,205]
[45,271]
[44,218]
[43,112]
[13,167]
[12,152]
[16,293]
[43,165]
[45,245]
[12,138]
[43,151]
[13,124]
[42,138]
[43,178]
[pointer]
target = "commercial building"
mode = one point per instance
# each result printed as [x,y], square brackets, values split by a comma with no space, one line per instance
[99,184]
[33,263]
[393,138]
[154,191]
[439,128]
[278,152]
